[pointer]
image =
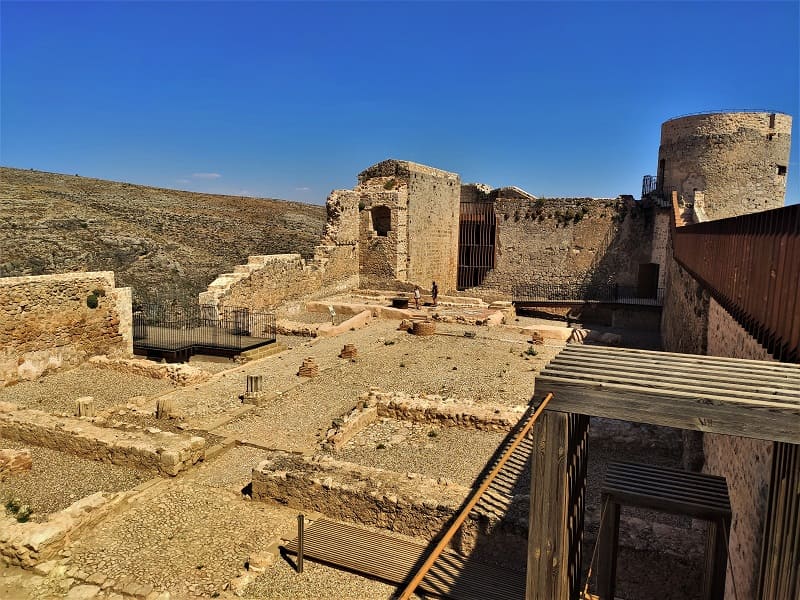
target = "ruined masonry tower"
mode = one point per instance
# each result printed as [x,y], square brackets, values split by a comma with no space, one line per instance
[408,225]
[727,164]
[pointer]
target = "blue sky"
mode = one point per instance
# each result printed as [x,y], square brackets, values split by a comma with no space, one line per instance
[292,100]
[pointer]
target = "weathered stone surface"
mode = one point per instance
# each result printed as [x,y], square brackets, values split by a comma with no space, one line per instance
[164,452]
[727,158]
[309,368]
[26,544]
[348,351]
[47,324]
[450,412]
[84,407]
[178,373]
[423,328]
[14,461]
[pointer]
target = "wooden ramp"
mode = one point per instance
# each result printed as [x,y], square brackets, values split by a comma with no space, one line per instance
[396,561]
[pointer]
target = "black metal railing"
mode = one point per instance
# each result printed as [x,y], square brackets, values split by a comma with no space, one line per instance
[581,292]
[180,331]
[649,184]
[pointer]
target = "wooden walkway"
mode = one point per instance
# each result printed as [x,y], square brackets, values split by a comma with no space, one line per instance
[396,561]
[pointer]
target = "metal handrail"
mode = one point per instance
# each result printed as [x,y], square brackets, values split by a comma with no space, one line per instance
[476,496]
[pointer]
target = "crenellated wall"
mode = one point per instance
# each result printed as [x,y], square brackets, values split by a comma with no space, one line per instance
[569,240]
[47,323]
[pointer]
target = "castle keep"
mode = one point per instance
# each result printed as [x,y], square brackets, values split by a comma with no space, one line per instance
[584,354]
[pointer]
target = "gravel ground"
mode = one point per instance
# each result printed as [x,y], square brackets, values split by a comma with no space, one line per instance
[231,470]
[56,480]
[455,454]
[317,582]
[187,538]
[486,369]
[57,392]
[212,364]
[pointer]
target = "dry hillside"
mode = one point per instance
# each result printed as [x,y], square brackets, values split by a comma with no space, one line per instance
[163,243]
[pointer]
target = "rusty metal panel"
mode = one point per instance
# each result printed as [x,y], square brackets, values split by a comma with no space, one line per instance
[750,264]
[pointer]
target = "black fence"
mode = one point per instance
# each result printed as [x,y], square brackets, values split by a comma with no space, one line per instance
[649,184]
[579,292]
[176,332]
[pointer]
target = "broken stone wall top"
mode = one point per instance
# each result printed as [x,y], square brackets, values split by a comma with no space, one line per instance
[48,322]
[401,169]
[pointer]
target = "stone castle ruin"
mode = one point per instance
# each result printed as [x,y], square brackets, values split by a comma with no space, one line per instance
[377,414]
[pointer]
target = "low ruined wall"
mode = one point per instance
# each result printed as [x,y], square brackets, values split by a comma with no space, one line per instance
[448,412]
[267,282]
[404,502]
[180,374]
[46,323]
[152,450]
[27,544]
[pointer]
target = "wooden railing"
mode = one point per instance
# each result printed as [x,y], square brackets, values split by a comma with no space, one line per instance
[750,264]
[473,500]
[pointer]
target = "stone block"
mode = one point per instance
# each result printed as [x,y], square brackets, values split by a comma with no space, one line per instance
[14,461]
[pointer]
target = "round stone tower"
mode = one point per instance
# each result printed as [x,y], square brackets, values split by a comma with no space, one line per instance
[727,164]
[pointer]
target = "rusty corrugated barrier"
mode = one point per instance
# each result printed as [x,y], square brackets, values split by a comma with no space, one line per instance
[750,264]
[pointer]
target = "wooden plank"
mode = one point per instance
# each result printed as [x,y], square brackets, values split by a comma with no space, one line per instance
[693,413]
[656,394]
[394,560]
[663,368]
[682,357]
[668,361]
[766,385]
[672,383]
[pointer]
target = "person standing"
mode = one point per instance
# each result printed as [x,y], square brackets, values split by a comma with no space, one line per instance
[417,295]
[435,293]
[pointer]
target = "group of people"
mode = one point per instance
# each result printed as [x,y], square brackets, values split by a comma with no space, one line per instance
[434,294]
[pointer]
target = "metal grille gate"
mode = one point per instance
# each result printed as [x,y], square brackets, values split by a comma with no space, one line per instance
[476,243]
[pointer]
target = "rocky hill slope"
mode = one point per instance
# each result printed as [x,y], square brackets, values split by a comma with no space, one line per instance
[163,243]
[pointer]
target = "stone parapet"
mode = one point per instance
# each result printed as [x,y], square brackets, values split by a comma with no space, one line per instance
[152,450]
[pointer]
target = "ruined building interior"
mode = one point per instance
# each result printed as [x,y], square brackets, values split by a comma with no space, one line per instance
[603,400]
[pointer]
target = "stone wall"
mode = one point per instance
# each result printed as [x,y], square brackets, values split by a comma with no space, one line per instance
[433,226]
[27,544]
[383,256]
[407,503]
[684,318]
[152,450]
[46,323]
[738,161]
[421,244]
[695,323]
[178,373]
[569,240]
[745,463]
